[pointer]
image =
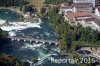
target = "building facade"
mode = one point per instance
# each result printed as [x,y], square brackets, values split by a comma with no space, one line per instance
[85,1]
[82,7]
[65,8]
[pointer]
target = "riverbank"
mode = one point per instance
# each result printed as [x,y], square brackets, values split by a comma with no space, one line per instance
[7,25]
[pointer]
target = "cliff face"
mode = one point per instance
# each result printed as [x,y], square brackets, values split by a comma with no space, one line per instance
[1,2]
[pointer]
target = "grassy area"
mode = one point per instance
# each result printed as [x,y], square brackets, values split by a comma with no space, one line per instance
[38,3]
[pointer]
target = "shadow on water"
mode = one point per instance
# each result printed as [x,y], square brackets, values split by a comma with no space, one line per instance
[5,45]
[6,14]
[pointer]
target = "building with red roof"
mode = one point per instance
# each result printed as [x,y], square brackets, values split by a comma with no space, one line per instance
[75,17]
[83,18]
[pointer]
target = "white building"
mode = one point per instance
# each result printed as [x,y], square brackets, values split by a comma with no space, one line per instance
[97,11]
[82,7]
[65,8]
[83,18]
[76,7]
[85,1]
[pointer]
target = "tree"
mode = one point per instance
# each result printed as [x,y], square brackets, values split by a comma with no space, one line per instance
[62,44]
[24,9]
[34,60]
[3,33]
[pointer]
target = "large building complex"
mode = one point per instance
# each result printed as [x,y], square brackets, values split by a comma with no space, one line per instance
[83,18]
[84,12]
[76,7]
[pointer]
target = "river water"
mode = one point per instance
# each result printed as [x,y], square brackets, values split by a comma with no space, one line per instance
[25,51]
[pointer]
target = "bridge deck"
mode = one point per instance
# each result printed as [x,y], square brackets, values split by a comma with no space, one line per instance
[32,39]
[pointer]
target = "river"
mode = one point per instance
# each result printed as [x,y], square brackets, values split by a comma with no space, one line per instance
[25,51]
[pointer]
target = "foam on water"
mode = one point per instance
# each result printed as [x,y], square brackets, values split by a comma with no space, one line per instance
[44,47]
[46,33]
[6,12]
[12,33]
[30,46]
[42,55]
[20,26]
[42,59]
[2,21]
[56,49]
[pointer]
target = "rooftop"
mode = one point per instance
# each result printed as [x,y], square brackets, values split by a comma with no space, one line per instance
[72,16]
[89,19]
[79,14]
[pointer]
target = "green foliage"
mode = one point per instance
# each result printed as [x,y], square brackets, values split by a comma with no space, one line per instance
[62,44]
[24,8]
[8,60]
[71,36]
[3,34]
[34,59]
